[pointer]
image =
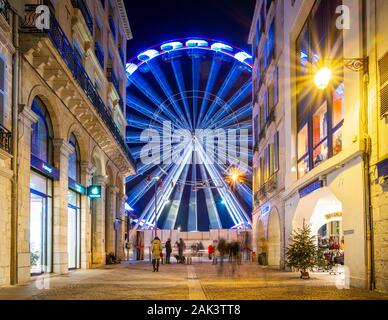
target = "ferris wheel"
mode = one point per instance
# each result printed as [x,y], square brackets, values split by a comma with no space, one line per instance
[189,129]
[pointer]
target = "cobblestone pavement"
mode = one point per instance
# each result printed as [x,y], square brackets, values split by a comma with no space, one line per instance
[174,282]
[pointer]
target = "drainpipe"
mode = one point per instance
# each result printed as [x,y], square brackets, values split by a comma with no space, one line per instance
[15,134]
[366,154]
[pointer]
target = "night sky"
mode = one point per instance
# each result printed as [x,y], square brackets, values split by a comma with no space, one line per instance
[156,21]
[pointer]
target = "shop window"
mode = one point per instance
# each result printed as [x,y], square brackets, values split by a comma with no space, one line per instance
[41,135]
[74,164]
[337,141]
[302,142]
[320,135]
[338,105]
[303,156]
[2,90]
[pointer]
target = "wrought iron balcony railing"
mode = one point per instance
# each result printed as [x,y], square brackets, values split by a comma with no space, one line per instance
[74,63]
[4,9]
[5,139]
[112,26]
[113,78]
[81,5]
[100,54]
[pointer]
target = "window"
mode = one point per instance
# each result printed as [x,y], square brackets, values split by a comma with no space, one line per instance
[320,115]
[276,150]
[338,105]
[271,156]
[266,164]
[74,164]
[256,128]
[303,156]
[41,135]
[2,91]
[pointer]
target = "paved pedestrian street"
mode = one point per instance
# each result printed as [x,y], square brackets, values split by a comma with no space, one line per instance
[202,281]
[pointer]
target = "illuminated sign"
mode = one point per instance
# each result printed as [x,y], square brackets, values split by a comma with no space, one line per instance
[304,192]
[334,215]
[94,192]
[265,210]
[44,168]
[77,187]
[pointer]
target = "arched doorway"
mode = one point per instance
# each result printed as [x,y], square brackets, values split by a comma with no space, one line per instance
[322,210]
[274,239]
[41,190]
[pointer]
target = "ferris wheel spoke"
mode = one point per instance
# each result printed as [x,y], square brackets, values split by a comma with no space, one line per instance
[234,118]
[214,217]
[230,105]
[140,106]
[196,69]
[176,202]
[152,95]
[230,80]
[177,68]
[213,74]
[163,83]
[192,224]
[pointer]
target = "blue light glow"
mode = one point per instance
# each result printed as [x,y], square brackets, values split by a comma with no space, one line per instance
[171,46]
[218,46]
[242,56]
[148,55]
[197,43]
[131,68]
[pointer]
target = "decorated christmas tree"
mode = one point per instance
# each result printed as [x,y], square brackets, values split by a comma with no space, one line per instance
[302,253]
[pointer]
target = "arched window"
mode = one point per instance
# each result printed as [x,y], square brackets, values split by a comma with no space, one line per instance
[74,163]
[41,135]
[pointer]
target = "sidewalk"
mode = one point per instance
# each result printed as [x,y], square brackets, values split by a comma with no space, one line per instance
[136,281]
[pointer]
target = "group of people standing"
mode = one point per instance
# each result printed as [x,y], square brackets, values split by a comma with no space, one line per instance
[157,252]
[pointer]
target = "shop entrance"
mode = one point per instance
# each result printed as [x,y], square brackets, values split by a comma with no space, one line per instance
[73,230]
[40,224]
[323,211]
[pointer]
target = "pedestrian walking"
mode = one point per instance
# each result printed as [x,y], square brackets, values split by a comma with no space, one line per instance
[156,250]
[181,249]
[168,250]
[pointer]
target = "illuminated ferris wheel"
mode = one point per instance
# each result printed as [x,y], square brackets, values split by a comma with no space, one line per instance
[189,129]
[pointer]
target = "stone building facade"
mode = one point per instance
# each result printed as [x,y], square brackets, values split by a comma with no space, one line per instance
[335,151]
[71,157]
[268,123]
[377,52]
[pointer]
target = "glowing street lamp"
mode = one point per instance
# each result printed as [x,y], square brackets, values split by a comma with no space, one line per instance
[322,78]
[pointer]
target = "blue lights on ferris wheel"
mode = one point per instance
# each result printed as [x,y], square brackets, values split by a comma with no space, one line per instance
[188,44]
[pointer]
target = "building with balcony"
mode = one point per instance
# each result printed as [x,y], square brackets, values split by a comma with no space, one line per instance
[269,135]
[72,159]
[7,51]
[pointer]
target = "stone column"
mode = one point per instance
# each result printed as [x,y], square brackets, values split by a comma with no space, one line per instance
[26,119]
[62,150]
[87,171]
[98,224]
[110,219]
[121,199]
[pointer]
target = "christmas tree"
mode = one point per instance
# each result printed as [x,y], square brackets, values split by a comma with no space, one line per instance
[302,253]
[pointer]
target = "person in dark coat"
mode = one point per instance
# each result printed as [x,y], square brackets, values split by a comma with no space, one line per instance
[168,251]
[181,249]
